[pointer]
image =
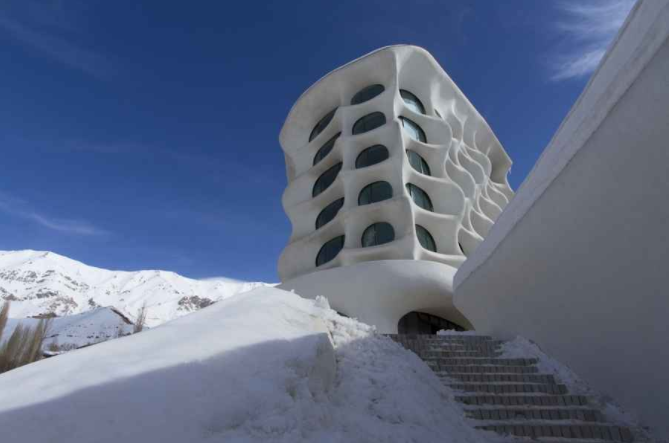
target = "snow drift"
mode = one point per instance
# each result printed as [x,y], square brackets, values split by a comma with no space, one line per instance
[265,366]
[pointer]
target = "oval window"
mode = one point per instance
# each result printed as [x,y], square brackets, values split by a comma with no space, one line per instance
[417,162]
[330,250]
[425,239]
[322,124]
[369,122]
[375,192]
[325,149]
[326,179]
[414,131]
[367,94]
[419,197]
[412,101]
[378,234]
[329,212]
[371,156]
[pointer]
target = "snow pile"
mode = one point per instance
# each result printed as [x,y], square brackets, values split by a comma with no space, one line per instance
[74,331]
[265,366]
[520,347]
[39,282]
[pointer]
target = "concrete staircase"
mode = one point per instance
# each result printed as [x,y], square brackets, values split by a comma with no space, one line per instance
[510,396]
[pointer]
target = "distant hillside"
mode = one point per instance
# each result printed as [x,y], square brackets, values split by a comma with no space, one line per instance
[39,283]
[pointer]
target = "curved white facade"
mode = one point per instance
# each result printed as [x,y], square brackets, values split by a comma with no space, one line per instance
[466,183]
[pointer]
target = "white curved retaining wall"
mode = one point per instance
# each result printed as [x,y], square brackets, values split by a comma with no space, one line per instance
[468,185]
[578,261]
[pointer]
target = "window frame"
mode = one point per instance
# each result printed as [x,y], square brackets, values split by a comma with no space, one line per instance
[338,167]
[359,158]
[421,230]
[363,122]
[413,189]
[322,124]
[412,101]
[362,94]
[373,230]
[329,206]
[370,187]
[341,239]
[422,137]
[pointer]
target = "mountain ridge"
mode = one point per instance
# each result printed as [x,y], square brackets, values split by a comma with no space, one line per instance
[44,282]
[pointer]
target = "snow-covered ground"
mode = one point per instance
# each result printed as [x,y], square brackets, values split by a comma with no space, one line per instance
[265,366]
[74,331]
[39,282]
[520,347]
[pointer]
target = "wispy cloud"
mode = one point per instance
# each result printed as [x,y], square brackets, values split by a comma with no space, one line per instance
[17,207]
[587,29]
[26,21]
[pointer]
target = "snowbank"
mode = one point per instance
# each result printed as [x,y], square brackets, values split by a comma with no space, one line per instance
[258,367]
[520,347]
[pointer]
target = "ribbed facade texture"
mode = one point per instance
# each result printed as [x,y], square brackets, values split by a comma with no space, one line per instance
[387,159]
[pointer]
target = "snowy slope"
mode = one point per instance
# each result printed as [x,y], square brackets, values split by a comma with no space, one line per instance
[74,331]
[265,366]
[43,282]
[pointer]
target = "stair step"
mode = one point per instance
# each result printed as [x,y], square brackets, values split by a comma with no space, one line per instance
[487,369]
[523,400]
[503,378]
[454,347]
[511,388]
[513,413]
[571,431]
[456,354]
[483,361]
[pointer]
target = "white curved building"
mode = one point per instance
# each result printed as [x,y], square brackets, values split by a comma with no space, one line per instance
[389,163]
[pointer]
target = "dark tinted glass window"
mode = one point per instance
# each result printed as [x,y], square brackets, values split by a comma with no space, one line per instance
[417,162]
[438,114]
[419,197]
[412,102]
[371,156]
[375,192]
[369,122]
[367,94]
[414,131]
[322,124]
[330,250]
[325,149]
[326,179]
[425,239]
[329,212]
[378,234]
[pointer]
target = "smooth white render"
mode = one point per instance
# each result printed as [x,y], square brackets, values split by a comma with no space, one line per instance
[40,282]
[266,366]
[468,186]
[381,292]
[578,260]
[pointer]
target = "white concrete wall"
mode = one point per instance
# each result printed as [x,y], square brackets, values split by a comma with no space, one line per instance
[467,186]
[381,292]
[579,260]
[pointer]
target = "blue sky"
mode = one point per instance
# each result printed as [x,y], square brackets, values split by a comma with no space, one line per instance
[144,135]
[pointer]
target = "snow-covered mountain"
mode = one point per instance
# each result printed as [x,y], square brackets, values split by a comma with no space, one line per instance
[38,282]
[74,331]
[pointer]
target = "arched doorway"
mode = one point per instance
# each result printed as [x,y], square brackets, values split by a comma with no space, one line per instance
[422,323]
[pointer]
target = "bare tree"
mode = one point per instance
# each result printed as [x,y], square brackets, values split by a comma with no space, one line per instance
[141,319]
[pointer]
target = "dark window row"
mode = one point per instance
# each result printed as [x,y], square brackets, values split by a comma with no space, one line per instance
[374,235]
[365,94]
[419,197]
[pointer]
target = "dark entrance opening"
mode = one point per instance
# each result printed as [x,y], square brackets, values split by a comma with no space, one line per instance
[421,323]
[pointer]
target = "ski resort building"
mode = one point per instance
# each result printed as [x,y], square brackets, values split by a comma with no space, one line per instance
[394,179]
